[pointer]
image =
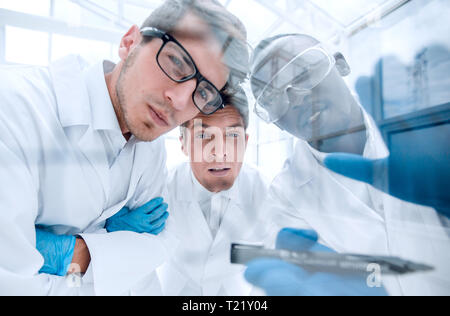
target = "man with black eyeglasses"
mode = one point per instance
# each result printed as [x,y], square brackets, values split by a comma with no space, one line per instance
[81,153]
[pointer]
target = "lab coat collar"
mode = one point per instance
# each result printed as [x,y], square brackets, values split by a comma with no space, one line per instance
[375,146]
[195,191]
[200,193]
[233,192]
[82,95]
[184,190]
[103,114]
[304,163]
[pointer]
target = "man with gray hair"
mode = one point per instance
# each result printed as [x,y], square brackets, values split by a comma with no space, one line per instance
[82,154]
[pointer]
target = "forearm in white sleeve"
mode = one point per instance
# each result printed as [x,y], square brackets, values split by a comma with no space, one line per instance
[120,260]
[20,261]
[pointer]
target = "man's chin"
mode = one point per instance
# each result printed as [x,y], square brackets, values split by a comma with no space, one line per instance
[149,135]
[145,137]
[219,186]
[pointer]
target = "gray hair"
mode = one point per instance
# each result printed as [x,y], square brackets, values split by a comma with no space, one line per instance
[227,28]
[238,99]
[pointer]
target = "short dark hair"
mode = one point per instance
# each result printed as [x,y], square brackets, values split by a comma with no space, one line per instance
[238,100]
[227,28]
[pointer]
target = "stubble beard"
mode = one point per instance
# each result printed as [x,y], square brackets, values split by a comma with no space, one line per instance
[218,186]
[141,133]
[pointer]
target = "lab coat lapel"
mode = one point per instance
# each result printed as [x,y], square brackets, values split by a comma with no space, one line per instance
[74,109]
[234,228]
[236,224]
[89,145]
[189,225]
[131,155]
[138,156]
[337,209]
[185,194]
[234,219]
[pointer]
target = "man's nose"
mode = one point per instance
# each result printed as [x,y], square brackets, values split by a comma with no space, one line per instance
[222,149]
[180,95]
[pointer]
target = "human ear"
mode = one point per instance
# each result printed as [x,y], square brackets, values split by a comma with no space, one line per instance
[129,41]
[342,65]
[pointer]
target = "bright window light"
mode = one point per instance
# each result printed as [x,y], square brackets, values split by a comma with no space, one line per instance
[91,50]
[19,44]
[36,7]
[174,154]
[255,17]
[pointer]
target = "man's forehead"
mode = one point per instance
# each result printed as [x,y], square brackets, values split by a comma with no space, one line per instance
[227,117]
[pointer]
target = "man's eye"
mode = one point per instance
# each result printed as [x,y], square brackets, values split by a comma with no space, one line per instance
[203,136]
[203,94]
[176,61]
[178,67]
[233,135]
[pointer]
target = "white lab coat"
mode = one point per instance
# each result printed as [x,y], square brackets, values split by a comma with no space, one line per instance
[201,263]
[54,173]
[351,216]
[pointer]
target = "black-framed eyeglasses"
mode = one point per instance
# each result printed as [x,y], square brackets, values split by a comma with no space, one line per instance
[179,66]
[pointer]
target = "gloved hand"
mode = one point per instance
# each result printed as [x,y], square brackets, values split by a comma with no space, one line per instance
[279,278]
[57,251]
[415,178]
[149,218]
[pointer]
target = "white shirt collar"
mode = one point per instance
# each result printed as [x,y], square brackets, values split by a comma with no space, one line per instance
[102,110]
[201,194]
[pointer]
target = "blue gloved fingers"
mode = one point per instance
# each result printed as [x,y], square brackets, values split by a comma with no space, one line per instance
[158,212]
[124,211]
[279,278]
[158,230]
[56,250]
[299,240]
[445,210]
[258,267]
[276,277]
[151,205]
[296,239]
[352,166]
[159,221]
[112,223]
[329,284]
[141,220]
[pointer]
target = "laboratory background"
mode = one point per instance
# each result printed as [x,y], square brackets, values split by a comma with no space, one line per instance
[398,51]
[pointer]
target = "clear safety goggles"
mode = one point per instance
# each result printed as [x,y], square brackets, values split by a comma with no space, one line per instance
[293,82]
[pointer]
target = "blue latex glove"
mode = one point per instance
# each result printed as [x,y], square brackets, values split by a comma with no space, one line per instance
[149,218]
[56,250]
[279,278]
[415,177]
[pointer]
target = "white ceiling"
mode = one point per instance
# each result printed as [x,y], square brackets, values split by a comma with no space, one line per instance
[323,19]
[326,20]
